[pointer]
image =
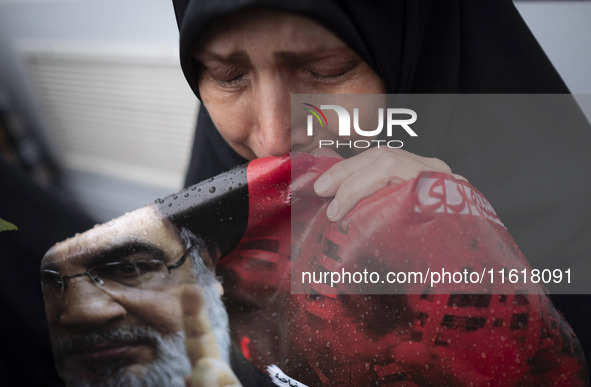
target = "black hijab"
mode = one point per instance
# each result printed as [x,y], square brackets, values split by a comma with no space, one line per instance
[450,46]
[428,46]
[537,181]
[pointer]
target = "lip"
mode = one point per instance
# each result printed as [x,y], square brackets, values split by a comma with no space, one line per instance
[106,352]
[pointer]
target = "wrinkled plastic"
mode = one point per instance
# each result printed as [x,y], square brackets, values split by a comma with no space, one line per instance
[220,210]
[334,338]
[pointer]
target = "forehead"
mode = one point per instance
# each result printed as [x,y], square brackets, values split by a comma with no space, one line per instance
[141,229]
[262,28]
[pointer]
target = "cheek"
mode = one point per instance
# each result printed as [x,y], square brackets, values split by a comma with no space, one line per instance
[232,116]
[52,318]
[368,82]
[160,310]
[228,122]
[376,84]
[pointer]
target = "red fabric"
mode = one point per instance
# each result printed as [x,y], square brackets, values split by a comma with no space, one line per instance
[329,337]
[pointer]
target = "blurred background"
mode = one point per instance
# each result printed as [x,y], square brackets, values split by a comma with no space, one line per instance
[93,101]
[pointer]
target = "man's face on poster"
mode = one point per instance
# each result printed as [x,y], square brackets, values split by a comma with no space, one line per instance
[112,302]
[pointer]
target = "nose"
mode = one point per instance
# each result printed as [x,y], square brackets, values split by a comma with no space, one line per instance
[273,111]
[83,304]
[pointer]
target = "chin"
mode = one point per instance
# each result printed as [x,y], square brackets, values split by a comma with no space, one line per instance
[168,368]
[125,378]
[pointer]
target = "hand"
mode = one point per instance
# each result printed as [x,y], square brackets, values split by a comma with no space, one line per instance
[355,178]
[209,370]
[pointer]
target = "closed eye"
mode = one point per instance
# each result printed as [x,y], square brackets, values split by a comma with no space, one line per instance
[330,70]
[225,75]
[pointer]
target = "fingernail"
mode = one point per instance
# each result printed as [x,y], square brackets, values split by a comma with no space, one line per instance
[332,210]
[323,184]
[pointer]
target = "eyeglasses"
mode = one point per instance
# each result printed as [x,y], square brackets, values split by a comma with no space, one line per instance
[113,276]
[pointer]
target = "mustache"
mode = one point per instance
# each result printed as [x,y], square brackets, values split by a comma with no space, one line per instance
[80,342]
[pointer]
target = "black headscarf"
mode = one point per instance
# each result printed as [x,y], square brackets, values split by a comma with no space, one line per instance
[428,46]
[452,47]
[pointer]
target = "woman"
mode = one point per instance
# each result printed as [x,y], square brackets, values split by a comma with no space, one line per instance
[435,47]
[244,63]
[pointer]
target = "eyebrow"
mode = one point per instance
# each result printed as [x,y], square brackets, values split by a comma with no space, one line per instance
[233,57]
[241,55]
[113,254]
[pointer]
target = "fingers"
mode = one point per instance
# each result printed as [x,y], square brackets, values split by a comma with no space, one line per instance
[208,369]
[200,341]
[353,179]
[330,181]
[358,186]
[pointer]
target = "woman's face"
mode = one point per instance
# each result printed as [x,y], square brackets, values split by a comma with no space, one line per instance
[253,61]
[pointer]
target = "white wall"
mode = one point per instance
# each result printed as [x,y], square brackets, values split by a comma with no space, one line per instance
[142,22]
[563,29]
[148,25]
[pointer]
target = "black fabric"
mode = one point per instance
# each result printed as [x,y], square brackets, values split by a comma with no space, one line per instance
[221,204]
[452,46]
[199,14]
[42,219]
[429,46]
[211,154]
[246,372]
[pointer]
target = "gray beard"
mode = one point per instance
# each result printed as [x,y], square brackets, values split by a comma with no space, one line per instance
[171,363]
[168,369]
